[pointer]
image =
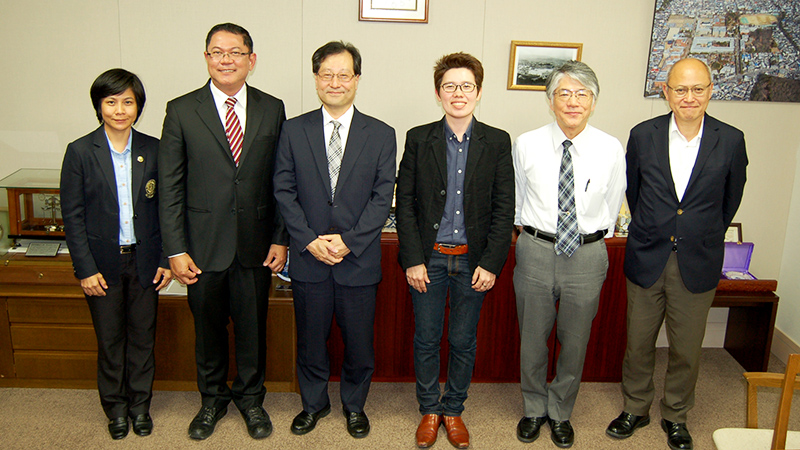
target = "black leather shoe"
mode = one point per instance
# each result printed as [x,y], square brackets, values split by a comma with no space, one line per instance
[623,426]
[258,424]
[142,424]
[357,423]
[306,421]
[561,433]
[118,427]
[678,437]
[528,428]
[203,424]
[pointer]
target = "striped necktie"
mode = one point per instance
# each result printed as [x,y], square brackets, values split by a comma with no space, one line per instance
[233,130]
[334,156]
[567,235]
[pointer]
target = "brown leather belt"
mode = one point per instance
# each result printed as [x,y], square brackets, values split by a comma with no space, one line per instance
[125,249]
[450,249]
[585,238]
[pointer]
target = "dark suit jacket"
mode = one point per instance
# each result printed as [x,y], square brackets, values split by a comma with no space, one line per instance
[362,201]
[488,200]
[209,207]
[699,221]
[90,207]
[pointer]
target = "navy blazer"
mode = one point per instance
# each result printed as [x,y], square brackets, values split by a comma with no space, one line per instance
[360,207]
[488,200]
[698,222]
[90,207]
[210,208]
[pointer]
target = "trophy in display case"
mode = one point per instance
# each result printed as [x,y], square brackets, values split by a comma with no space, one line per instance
[34,204]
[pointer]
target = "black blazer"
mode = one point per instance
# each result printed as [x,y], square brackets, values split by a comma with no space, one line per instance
[488,201]
[699,221]
[211,208]
[360,207]
[90,207]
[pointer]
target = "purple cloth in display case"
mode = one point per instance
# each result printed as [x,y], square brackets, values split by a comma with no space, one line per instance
[736,265]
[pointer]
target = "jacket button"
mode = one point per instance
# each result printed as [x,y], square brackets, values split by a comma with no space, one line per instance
[680,211]
[443,193]
[236,181]
[436,226]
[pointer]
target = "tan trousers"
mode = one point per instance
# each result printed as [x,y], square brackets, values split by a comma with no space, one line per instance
[685,314]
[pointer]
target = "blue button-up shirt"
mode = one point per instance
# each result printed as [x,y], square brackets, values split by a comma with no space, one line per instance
[122,174]
[452,228]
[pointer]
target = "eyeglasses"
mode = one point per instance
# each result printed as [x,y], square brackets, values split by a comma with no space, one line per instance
[217,55]
[697,91]
[582,95]
[466,87]
[328,76]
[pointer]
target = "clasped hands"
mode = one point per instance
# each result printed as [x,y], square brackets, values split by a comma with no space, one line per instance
[328,248]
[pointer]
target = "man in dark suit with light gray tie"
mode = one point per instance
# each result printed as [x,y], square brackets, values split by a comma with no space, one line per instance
[686,173]
[221,229]
[334,178]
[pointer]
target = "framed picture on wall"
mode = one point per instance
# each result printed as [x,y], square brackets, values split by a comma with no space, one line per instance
[531,62]
[393,10]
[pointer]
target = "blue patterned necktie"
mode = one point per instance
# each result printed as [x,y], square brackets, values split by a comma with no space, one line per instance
[334,156]
[567,235]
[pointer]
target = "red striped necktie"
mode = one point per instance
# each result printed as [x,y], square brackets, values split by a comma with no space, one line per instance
[233,130]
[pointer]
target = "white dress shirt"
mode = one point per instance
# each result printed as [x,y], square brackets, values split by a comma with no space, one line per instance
[240,107]
[345,119]
[598,162]
[682,155]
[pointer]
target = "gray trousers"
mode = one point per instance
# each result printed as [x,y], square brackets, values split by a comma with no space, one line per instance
[541,280]
[685,314]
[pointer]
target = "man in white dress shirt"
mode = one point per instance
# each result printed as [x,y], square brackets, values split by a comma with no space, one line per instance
[570,182]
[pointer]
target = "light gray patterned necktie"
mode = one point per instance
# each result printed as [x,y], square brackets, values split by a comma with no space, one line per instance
[567,235]
[334,156]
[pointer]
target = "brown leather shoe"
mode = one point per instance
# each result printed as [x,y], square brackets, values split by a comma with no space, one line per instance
[428,430]
[457,432]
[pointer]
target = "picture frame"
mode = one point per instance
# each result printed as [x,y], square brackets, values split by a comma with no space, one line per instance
[414,11]
[734,233]
[531,62]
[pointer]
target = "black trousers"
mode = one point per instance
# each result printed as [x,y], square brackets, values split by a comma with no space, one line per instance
[125,324]
[239,294]
[315,305]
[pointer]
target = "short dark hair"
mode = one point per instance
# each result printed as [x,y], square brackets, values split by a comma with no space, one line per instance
[457,61]
[114,82]
[334,48]
[231,28]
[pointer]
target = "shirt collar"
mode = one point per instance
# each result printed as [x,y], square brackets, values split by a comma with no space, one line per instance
[577,142]
[127,146]
[448,133]
[220,97]
[345,119]
[674,131]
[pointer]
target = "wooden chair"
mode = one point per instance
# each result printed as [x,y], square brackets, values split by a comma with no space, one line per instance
[753,438]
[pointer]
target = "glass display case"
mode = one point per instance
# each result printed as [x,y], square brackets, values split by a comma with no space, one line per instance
[34,204]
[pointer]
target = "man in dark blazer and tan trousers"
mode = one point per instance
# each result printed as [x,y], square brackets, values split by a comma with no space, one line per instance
[686,173]
[221,230]
[334,178]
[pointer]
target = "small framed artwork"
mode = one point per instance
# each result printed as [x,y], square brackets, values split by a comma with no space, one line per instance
[393,10]
[734,233]
[531,62]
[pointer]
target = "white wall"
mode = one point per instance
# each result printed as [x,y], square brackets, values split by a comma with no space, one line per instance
[56,49]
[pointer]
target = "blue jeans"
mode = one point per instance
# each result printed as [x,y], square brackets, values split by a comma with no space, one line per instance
[445,272]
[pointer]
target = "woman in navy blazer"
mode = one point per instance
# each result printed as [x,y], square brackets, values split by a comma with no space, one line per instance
[110,208]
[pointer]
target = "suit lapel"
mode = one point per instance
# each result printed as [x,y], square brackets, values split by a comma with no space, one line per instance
[356,142]
[707,145]
[660,139]
[209,114]
[439,147]
[476,149]
[103,156]
[254,116]
[137,166]
[316,143]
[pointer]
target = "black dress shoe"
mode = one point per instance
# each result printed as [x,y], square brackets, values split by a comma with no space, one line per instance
[623,426]
[528,428]
[357,423]
[118,427]
[203,424]
[678,437]
[561,433]
[306,421]
[258,424]
[142,424]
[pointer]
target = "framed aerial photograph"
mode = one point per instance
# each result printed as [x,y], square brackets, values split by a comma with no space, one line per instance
[393,10]
[531,62]
[752,48]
